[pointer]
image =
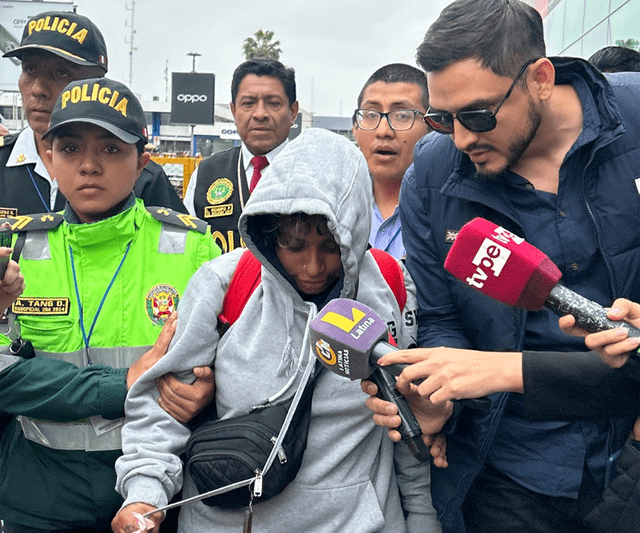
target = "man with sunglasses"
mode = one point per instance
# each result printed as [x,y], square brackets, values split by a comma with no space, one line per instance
[548,149]
[386,126]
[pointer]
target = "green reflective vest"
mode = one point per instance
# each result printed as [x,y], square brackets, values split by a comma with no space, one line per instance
[142,260]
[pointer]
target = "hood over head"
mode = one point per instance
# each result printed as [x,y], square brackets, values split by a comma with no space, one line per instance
[318,173]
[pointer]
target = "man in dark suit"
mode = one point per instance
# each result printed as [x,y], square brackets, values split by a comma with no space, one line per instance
[264,107]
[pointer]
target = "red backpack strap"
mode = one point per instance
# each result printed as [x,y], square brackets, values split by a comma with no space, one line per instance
[244,281]
[392,273]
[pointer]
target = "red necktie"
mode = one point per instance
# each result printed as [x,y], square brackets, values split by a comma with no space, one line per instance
[259,162]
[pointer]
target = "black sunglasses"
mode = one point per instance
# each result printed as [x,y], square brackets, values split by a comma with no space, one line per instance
[477,120]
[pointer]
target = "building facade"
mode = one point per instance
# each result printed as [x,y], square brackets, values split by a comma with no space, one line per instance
[581,27]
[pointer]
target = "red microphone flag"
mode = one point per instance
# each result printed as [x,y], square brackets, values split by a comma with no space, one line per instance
[502,265]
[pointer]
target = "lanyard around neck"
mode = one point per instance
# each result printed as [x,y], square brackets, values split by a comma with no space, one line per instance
[87,338]
[386,248]
[33,180]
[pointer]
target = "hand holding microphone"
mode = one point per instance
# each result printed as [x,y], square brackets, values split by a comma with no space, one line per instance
[344,336]
[348,338]
[614,345]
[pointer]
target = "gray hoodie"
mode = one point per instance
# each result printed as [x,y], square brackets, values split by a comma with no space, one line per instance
[353,478]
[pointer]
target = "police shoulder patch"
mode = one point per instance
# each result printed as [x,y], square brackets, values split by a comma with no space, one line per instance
[42,221]
[169,216]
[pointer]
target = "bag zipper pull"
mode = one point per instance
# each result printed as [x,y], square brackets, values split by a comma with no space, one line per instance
[282,456]
[257,485]
[256,491]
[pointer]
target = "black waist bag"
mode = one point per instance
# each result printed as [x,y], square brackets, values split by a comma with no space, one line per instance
[223,452]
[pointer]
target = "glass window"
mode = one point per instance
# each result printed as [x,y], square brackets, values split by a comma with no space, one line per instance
[553,30]
[595,11]
[594,40]
[625,22]
[573,17]
[618,3]
[575,50]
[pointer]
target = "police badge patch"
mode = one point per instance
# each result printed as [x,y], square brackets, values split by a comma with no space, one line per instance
[161,301]
[219,191]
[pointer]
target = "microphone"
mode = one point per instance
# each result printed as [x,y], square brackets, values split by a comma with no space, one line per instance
[507,268]
[348,338]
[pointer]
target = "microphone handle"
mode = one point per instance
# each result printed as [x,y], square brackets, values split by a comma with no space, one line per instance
[589,315]
[409,427]
[382,348]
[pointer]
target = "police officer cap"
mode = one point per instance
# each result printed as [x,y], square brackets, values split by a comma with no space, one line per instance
[103,102]
[68,35]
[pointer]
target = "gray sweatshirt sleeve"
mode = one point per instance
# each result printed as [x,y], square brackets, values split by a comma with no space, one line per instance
[150,470]
[414,479]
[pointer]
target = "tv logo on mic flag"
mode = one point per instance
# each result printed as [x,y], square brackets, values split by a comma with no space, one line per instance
[500,264]
[324,351]
[342,333]
[490,256]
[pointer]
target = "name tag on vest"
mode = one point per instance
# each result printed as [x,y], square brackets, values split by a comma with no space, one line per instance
[8,212]
[41,306]
[213,211]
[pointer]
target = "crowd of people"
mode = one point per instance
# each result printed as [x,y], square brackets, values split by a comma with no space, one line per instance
[115,345]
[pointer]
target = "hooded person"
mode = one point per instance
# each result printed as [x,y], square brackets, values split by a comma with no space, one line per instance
[308,223]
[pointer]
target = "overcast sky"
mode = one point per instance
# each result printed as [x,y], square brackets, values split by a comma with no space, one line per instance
[333,45]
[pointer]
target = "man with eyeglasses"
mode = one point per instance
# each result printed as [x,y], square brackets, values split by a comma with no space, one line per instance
[386,126]
[547,149]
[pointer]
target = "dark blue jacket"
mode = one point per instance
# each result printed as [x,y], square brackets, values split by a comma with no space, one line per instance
[440,193]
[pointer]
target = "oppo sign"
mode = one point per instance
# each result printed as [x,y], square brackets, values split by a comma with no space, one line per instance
[188,98]
[192,98]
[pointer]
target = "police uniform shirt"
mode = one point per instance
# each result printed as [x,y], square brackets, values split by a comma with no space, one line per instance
[248,170]
[25,153]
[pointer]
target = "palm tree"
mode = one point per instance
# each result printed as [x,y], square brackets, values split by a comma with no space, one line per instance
[261,47]
[629,43]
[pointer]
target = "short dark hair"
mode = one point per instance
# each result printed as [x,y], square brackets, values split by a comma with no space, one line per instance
[616,59]
[302,223]
[265,67]
[502,34]
[398,73]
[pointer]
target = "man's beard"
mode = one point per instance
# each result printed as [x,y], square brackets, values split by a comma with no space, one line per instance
[519,146]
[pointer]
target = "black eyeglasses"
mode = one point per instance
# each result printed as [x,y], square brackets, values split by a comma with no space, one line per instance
[398,119]
[477,120]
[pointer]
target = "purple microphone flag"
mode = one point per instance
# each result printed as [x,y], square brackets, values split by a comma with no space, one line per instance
[343,334]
